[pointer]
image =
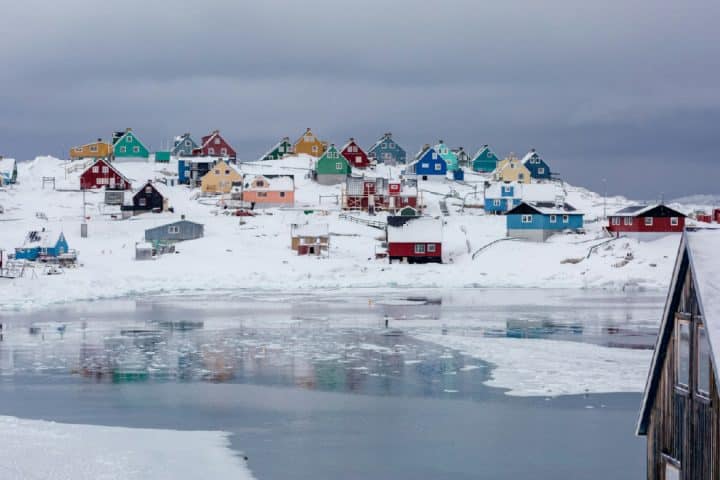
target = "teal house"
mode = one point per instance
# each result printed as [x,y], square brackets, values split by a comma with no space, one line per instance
[183,145]
[281,149]
[485,160]
[126,145]
[387,151]
[451,159]
[537,221]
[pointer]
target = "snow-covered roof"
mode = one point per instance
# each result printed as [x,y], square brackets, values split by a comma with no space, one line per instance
[385,137]
[7,164]
[311,230]
[280,183]
[272,149]
[480,151]
[549,208]
[161,188]
[529,155]
[529,192]
[636,210]
[41,238]
[423,229]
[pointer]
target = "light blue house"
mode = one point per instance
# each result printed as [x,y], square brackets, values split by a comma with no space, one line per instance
[183,146]
[448,155]
[537,166]
[8,171]
[42,244]
[387,151]
[485,160]
[537,221]
[501,197]
[429,166]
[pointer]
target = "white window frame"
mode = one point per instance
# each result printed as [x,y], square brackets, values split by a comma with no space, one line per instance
[526,218]
[698,391]
[128,139]
[419,248]
[95,169]
[438,167]
[136,149]
[674,221]
[338,166]
[628,221]
[173,229]
[430,248]
[678,323]
[566,218]
[211,151]
[616,220]
[553,218]
[541,170]
[648,221]
[496,202]
[425,165]
[123,149]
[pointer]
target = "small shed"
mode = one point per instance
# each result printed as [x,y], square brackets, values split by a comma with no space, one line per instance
[175,232]
[162,156]
[143,251]
[414,239]
[310,239]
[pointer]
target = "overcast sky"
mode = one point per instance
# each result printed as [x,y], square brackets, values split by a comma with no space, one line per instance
[624,90]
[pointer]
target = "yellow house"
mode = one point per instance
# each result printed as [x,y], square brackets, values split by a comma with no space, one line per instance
[220,178]
[97,149]
[511,169]
[310,144]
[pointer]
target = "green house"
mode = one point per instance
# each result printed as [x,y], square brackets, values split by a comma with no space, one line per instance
[331,168]
[448,155]
[279,150]
[484,160]
[127,145]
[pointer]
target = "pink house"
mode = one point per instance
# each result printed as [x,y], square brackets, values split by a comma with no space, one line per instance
[270,191]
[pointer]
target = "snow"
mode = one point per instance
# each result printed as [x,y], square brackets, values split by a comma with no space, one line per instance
[528,192]
[314,230]
[538,367]
[282,183]
[703,248]
[41,449]
[7,164]
[423,229]
[254,252]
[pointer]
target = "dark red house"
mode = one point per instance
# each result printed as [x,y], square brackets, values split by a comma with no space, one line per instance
[378,194]
[103,174]
[355,155]
[414,239]
[646,221]
[214,145]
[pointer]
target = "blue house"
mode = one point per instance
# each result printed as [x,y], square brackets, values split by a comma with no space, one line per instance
[8,171]
[387,151]
[501,197]
[537,166]
[537,221]
[183,146]
[448,155]
[41,244]
[429,166]
[484,160]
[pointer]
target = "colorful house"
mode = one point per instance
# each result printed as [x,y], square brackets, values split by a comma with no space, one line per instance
[414,239]
[127,146]
[8,171]
[151,197]
[463,158]
[97,149]
[448,155]
[103,174]
[179,231]
[310,239]
[183,146]
[429,166]
[646,222]
[280,150]
[679,410]
[270,191]
[331,168]
[379,194]
[537,221]
[501,197]
[309,144]
[220,179]
[539,169]
[485,160]
[214,145]
[355,155]
[42,245]
[191,170]
[387,151]
[511,169]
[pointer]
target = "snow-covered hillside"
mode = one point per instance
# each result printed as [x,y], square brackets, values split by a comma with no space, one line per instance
[257,254]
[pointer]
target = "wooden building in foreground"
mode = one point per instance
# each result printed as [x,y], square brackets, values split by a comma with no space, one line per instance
[679,412]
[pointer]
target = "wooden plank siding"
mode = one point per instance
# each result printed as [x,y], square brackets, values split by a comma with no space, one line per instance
[684,426]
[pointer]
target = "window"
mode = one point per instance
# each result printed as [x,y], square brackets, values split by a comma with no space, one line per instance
[96,169]
[566,218]
[541,170]
[128,139]
[223,151]
[148,190]
[308,138]
[314,148]
[282,194]
[526,219]
[217,172]
[672,472]
[521,176]
[78,149]
[211,151]
[496,202]
[431,248]
[616,220]
[262,194]
[419,248]
[438,167]
[702,383]
[674,221]
[384,145]
[260,183]
[434,156]
[682,352]
[174,229]
[142,201]
[187,143]
[136,149]
[217,141]
[507,189]
[93,148]
[628,220]
[390,145]
[338,166]
[553,218]
[425,165]
[123,149]
[648,221]
[358,159]
[227,172]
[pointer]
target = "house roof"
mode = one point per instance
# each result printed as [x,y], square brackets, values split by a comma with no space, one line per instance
[311,230]
[385,137]
[277,145]
[423,229]
[529,155]
[112,167]
[161,188]
[638,210]
[545,208]
[7,164]
[347,144]
[529,192]
[698,251]
[41,238]
[137,139]
[279,183]
[173,223]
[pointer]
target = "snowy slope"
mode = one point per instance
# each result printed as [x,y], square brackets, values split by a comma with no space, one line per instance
[257,254]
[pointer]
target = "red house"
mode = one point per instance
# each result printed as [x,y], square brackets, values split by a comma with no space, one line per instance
[379,194]
[646,222]
[355,155]
[414,239]
[214,145]
[103,174]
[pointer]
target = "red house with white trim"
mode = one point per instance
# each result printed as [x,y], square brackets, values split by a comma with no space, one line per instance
[379,194]
[214,145]
[414,239]
[102,174]
[355,155]
[646,222]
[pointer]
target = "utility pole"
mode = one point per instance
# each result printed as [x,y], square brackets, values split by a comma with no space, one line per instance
[83,225]
[604,180]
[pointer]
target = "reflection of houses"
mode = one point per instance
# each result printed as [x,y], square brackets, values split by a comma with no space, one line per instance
[679,414]
[646,222]
[103,174]
[175,232]
[537,221]
[270,191]
[97,149]
[220,179]
[310,239]
[379,194]
[414,239]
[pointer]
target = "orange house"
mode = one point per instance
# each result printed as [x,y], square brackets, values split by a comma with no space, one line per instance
[270,191]
[310,144]
[97,149]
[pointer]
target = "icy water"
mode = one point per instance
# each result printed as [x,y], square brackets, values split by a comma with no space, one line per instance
[311,387]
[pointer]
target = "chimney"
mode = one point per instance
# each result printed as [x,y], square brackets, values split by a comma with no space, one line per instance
[286,139]
[99,140]
[128,130]
[485,146]
[440,141]
[532,150]
[215,132]
[352,139]
[307,130]
[182,217]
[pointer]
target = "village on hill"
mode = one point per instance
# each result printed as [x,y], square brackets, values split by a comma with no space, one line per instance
[115,219]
